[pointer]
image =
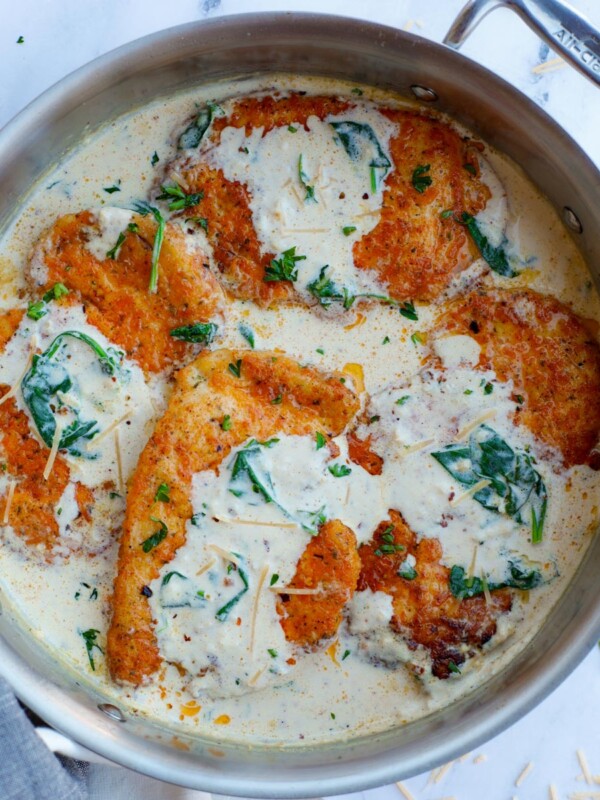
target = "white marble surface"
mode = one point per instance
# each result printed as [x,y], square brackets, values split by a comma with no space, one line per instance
[61,35]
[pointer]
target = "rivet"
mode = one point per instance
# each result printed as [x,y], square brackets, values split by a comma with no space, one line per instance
[112,711]
[424,93]
[572,220]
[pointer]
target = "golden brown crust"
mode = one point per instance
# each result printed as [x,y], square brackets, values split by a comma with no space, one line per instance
[329,562]
[275,112]
[188,439]
[115,291]
[426,612]
[549,354]
[413,250]
[230,230]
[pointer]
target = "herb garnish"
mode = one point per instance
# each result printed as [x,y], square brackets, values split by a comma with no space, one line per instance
[198,332]
[346,654]
[357,91]
[192,135]
[401,400]
[291,129]
[388,546]
[359,141]
[247,333]
[155,159]
[339,470]
[169,575]
[274,579]
[470,168]
[243,464]
[114,251]
[407,571]
[112,189]
[178,199]
[157,537]
[143,208]
[304,180]
[348,229]
[386,340]
[321,440]
[202,221]
[236,369]
[20,40]
[420,179]
[39,309]
[517,578]
[516,488]
[284,268]
[223,612]
[453,667]
[89,637]
[327,292]
[162,494]
[494,256]
[46,378]
[272,652]
[226,424]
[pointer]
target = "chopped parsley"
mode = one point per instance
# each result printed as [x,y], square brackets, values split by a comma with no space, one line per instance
[321,440]
[386,340]
[248,334]
[448,212]
[357,91]
[274,579]
[470,168]
[202,221]
[198,332]
[226,424]
[304,180]
[39,309]
[157,537]
[488,388]
[89,637]
[114,188]
[453,667]
[339,470]
[321,351]
[327,292]
[114,251]
[276,401]
[272,652]
[144,209]
[178,199]
[416,338]
[162,494]
[235,369]
[420,179]
[20,40]
[346,654]
[155,159]
[284,268]
[348,229]
[401,400]
[292,129]
[407,571]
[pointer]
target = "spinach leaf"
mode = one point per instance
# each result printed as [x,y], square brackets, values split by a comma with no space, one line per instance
[244,466]
[157,537]
[198,332]
[516,488]
[178,199]
[517,578]
[223,612]
[193,134]
[361,143]
[247,333]
[420,179]
[495,256]
[47,377]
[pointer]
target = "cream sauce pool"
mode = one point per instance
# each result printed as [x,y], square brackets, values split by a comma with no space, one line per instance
[257,695]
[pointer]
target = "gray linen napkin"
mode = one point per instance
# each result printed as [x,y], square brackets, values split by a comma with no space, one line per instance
[28,770]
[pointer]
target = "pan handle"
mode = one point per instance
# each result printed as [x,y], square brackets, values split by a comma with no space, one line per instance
[559,24]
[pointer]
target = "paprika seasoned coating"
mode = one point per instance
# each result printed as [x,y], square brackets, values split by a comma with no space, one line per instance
[550,354]
[116,293]
[189,438]
[425,612]
[414,248]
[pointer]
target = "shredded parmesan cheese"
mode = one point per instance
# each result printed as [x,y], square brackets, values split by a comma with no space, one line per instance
[480,758]
[9,498]
[404,791]
[549,66]
[256,677]
[207,566]
[470,492]
[255,605]
[524,774]
[258,523]
[552,792]
[53,451]
[407,449]
[13,390]
[119,461]
[179,180]
[293,590]
[113,426]
[225,554]
[442,771]
[585,768]
[470,426]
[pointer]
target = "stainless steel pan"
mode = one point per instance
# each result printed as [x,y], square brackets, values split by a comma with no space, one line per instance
[362,52]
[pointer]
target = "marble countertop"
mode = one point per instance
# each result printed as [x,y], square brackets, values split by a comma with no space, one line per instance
[61,35]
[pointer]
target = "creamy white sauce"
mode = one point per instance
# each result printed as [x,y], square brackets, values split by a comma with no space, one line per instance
[341,692]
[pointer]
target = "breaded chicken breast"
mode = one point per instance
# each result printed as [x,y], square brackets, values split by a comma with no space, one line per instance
[115,290]
[190,438]
[425,612]
[551,356]
[415,248]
